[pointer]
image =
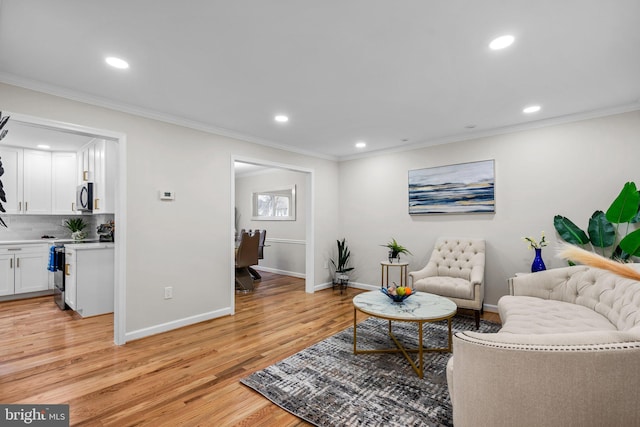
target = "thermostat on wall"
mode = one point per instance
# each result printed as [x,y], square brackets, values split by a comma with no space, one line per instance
[167,195]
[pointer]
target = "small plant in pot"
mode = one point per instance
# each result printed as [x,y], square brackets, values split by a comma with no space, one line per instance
[395,249]
[76,226]
[342,263]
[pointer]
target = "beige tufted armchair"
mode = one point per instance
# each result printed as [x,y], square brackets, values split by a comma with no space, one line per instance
[456,271]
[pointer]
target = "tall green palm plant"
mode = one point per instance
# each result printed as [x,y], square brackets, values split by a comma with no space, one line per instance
[604,228]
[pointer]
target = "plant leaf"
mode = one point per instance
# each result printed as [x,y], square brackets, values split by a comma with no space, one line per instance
[601,232]
[625,206]
[569,232]
[631,243]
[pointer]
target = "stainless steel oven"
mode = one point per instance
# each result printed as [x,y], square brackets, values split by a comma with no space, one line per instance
[58,277]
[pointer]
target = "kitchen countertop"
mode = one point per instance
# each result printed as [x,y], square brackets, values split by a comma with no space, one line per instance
[94,245]
[67,242]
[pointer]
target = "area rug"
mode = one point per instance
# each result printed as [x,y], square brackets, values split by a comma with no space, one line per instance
[327,385]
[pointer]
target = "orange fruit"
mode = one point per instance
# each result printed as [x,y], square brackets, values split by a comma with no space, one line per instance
[407,291]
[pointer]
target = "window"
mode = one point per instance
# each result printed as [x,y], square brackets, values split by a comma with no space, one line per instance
[275,205]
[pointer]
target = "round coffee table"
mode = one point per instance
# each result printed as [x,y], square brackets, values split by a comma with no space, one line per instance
[420,307]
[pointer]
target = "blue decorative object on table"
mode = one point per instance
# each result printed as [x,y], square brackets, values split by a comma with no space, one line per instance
[395,298]
[538,263]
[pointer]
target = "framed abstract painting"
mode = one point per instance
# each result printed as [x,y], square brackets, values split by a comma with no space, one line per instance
[460,188]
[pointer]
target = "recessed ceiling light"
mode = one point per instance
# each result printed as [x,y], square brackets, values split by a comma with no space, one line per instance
[531,109]
[281,118]
[117,62]
[43,146]
[501,42]
[361,144]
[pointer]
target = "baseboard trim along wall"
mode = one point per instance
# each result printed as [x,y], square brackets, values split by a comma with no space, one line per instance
[277,271]
[175,324]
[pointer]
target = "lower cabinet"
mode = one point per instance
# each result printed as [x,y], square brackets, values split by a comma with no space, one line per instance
[89,278]
[23,269]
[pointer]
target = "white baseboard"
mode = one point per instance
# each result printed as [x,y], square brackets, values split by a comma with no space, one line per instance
[490,308]
[283,272]
[351,285]
[175,324]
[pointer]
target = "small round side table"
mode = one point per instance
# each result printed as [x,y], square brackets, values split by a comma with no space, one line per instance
[385,265]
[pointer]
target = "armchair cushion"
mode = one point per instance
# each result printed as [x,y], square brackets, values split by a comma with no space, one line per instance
[446,286]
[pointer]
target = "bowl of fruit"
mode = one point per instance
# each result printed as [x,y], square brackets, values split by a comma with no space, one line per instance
[397,293]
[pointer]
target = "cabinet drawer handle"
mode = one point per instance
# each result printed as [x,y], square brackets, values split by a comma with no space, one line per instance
[96,204]
[26,206]
[17,262]
[66,269]
[19,206]
[10,262]
[14,249]
[85,175]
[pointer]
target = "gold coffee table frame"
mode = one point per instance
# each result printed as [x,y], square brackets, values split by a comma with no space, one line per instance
[386,313]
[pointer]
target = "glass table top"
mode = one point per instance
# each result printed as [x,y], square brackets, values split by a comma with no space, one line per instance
[419,306]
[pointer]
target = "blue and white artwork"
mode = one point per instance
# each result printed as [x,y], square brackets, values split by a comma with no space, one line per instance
[461,188]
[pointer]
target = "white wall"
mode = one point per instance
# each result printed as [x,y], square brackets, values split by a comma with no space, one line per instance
[186,243]
[285,253]
[571,169]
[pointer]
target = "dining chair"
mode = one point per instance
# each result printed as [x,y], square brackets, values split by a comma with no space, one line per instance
[246,256]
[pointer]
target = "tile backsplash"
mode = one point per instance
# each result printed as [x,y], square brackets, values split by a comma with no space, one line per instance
[31,227]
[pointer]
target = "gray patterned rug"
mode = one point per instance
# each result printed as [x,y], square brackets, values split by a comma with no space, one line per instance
[327,385]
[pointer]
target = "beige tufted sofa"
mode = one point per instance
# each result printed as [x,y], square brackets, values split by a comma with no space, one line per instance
[455,270]
[568,354]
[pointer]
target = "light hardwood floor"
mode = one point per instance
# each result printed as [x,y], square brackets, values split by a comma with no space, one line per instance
[185,377]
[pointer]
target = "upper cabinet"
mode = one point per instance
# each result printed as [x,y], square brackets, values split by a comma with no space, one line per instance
[64,180]
[98,161]
[12,163]
[38,182]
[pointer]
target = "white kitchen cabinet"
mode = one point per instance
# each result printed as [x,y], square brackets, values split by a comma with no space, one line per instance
[12,179]
[89,278]
[37,182]
[23,269]
[98,160]
[64,179]
[7,281]
[70,277]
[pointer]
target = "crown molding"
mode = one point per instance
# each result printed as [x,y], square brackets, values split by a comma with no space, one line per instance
[553,121]
[97,101]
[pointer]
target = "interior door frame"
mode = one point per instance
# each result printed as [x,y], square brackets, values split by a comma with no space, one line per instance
[309,215]
[120,254]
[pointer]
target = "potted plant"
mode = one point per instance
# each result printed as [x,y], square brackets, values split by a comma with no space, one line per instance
[76,226]
[395,249]
[603,227]
[342,263]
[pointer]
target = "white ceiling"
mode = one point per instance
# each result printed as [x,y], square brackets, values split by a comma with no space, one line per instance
[391,73]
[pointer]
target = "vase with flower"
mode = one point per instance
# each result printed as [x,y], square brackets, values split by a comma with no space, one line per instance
[538,263]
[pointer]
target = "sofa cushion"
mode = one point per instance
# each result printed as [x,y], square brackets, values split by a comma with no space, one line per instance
[445,286]
[531,315]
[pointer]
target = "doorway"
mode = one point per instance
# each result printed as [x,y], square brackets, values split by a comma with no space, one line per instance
[304,203]
[120,203]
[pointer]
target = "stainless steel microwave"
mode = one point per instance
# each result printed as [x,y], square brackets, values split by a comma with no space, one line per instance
[84,197]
